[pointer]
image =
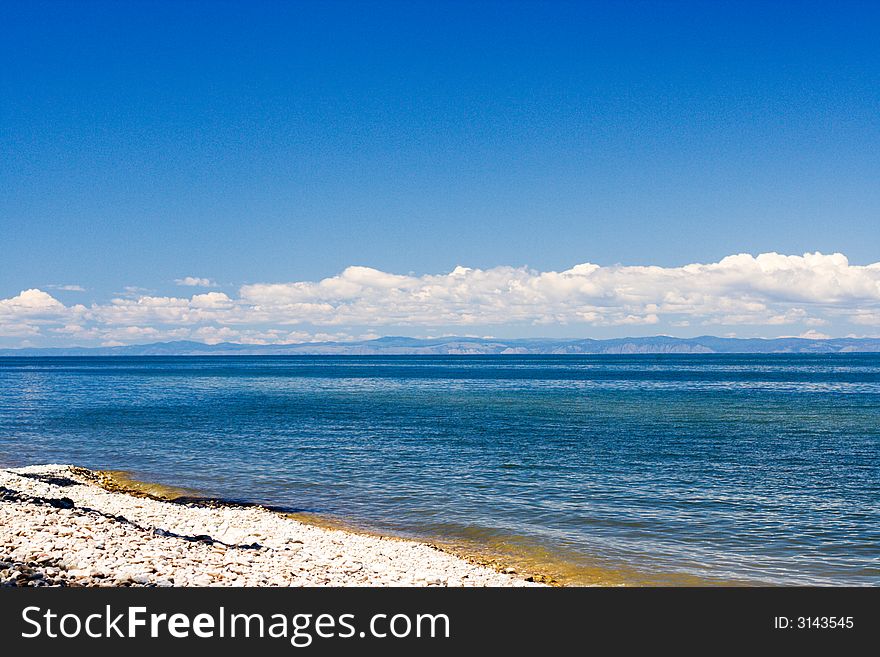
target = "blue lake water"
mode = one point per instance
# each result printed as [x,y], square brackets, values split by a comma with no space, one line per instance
[617,469]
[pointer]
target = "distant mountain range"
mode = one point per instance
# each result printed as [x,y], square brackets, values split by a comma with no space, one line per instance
[658,344]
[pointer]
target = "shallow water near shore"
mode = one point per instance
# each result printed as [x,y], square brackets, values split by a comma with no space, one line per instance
[592,469]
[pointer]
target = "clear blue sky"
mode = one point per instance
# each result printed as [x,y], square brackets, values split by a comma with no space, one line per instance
[251,142]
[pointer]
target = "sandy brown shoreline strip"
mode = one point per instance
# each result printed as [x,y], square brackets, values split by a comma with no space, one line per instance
[59,525]
[121,481]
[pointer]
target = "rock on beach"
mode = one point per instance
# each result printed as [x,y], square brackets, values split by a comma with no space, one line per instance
[58,527]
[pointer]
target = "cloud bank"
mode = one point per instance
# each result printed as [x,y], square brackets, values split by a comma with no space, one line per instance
[778,294]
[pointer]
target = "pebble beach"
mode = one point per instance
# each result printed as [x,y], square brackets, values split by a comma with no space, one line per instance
[61,526]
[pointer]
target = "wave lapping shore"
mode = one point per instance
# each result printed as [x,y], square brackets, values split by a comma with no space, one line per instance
[59,527]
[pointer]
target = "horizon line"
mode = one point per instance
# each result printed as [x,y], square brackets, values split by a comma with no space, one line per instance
[428,341]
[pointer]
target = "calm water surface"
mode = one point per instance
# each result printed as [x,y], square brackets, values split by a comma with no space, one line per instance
[637,469]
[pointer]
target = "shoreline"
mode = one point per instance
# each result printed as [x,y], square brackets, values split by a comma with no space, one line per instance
[529,564]
[121,481]
[63,525]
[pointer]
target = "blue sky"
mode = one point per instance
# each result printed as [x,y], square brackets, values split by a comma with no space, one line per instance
[263,143]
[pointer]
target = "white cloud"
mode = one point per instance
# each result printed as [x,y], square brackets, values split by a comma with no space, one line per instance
[769,290]
[814,335]
[195,281]
[68,288]
[865,316]
[30,303]
[214,300]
